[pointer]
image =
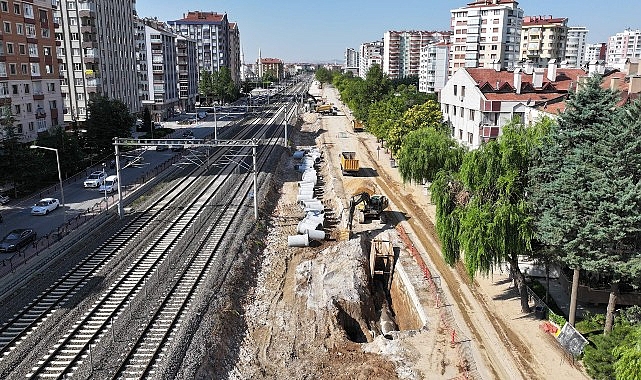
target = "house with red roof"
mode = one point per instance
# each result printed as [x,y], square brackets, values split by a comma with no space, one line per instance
[478,102]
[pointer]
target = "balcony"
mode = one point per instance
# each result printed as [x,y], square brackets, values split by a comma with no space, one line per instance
[89,44]
[88,29]
[92,85]
[87,9]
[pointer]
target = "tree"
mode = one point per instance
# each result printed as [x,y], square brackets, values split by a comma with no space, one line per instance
[323,75]
[108,118]
[599,356]
[585,204]
[628,357]
[206,85]
[484,206]
[146,120]
[427,151]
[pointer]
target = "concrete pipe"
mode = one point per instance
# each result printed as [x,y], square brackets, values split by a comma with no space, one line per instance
[298,241]
[316,235]
[314,204]
[305,190]
[305,226]
[387,322]
[305,197]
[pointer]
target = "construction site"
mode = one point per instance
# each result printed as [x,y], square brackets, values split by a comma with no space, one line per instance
[349,282]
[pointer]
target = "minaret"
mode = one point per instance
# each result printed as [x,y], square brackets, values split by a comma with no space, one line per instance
[260,65]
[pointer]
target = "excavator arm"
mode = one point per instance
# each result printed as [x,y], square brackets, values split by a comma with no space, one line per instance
[353,202]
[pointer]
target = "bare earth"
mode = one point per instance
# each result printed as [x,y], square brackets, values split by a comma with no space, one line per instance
[312,314]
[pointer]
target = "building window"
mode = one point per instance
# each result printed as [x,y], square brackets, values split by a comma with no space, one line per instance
[19,29]
[470,137]
[455,92]
[45,33]
[4,6]
[35,69]
[51,87]
[3,69]
[74,36]
[27,90]
[77,66]
[29,107]
[28,10]
[24,69]
[17,109]
[31,30]
[472,115]
[7,27]
[22,49]
[16,9]
[462,90]
[9,48]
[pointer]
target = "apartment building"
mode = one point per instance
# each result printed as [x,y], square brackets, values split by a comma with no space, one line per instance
[622,47]
[187,73]
[596,52]
[485,32]
[156,68]
[29,67]
[478,102]
[543,38]
[211,31]
[351,61]
[234,52]
[369,54]
[575,47]
[270,65]
[98,51]
[402,51]
[434,65]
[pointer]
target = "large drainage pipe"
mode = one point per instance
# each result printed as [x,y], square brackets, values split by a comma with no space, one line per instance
[298,241]
[316,234]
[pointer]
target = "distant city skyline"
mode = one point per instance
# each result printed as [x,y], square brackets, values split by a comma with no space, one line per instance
[312,32]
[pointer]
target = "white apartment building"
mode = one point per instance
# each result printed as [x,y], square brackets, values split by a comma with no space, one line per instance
[485,32]
[98,54]
[623,46]
[595,52]
[434,67]
[543,38]
[478,102]
[157,73]
[575,48]
[370,53]
[351,60]
[402,51]
[29,71]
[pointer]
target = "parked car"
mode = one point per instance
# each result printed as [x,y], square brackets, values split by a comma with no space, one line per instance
[95,179]
[188,134]
[17,239]
[110,185]
[45,206]
[4,199]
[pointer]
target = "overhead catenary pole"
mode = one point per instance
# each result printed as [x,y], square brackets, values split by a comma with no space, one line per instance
[255,183]
[121,213]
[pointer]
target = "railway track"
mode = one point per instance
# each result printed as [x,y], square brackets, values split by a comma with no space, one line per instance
[176,239]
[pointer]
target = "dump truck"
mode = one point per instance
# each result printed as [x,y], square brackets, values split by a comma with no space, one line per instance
[357,125]
[326,108]
[349,163]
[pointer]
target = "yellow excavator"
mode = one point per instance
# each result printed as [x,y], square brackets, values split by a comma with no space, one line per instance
[366,206]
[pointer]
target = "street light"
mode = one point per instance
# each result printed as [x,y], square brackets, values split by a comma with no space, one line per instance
[62,193]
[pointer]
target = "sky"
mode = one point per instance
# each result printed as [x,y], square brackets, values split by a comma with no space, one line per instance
[320,31]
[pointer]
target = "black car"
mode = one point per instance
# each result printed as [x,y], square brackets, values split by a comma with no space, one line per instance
[17,239]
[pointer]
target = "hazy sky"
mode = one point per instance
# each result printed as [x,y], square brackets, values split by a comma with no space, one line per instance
[320,31]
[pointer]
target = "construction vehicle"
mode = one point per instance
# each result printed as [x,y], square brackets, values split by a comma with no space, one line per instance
[366,206]
[349,163]
[326,109]
[357,125]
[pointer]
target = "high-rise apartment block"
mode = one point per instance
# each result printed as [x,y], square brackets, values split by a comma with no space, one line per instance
[596,52]
[351,60]
[212,32]
[484,33]
[434,66]
[157,62]
[575,48]
[187,73]
[234,52]
[29,72]
[402,51]
[98,54]
[622,47]
[543,38]
[369,54]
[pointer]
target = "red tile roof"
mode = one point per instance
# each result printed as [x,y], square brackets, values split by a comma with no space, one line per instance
[565,78]
[542,20]
[203,16]
[270,60]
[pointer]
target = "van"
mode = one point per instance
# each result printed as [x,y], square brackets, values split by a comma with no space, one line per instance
[110,185]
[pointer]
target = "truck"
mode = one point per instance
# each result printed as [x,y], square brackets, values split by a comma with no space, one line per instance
[349,163]
[326,108]
[357,125]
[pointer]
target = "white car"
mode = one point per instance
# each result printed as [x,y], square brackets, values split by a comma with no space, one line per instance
[45,206]
[110,185]
[95,179]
